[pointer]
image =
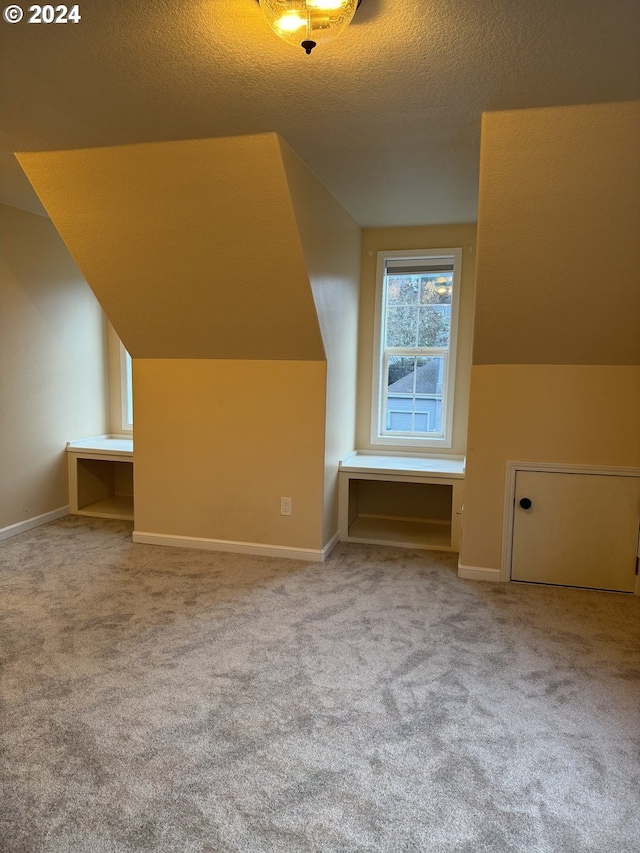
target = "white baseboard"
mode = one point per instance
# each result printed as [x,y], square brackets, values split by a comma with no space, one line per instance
[331,544]
[475,573]
[310,554]
[30,523]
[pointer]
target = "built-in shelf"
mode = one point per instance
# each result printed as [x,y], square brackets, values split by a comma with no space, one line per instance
[101,477]
[115,506]
[411,501]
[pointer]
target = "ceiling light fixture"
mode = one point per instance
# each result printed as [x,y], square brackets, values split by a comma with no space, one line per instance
[308,22]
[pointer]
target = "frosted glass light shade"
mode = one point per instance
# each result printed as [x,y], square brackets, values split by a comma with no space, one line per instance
[307,23]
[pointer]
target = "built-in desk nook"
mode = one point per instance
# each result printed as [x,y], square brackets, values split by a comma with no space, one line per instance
[101,476]
[412,501]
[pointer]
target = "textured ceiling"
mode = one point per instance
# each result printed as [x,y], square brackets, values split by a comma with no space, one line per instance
[388,116]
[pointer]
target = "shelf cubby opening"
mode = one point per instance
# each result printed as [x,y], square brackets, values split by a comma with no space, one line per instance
[105,488]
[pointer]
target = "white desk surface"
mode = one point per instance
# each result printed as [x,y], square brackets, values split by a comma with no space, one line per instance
[372,463]
[116,444]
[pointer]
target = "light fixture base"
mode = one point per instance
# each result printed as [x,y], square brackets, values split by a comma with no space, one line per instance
[308,23]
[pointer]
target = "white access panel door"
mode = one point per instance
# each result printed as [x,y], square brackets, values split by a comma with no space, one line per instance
[579,530]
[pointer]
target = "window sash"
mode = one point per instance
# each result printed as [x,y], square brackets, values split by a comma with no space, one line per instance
[413,352]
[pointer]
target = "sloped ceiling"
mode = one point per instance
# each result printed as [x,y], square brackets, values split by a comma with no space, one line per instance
[388,116]
[191,247]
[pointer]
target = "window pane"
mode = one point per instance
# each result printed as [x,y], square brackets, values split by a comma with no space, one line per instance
[400,374]
[433,325]
[429,374]
[402,326]
[435,416]
[402,290]
[444,335]
[414,394]
[436,289]
[399,421]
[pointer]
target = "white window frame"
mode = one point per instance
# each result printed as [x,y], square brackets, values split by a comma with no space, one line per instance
[126,389]
[379,435]
[120,389]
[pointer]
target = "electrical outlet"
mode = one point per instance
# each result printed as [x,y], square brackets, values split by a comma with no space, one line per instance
[285,506]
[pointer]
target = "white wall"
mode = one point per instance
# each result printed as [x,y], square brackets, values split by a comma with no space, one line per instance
[53,365]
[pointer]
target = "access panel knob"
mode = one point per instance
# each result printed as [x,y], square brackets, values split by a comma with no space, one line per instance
[525,503]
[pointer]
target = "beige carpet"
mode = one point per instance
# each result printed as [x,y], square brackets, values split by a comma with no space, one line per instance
[159,699]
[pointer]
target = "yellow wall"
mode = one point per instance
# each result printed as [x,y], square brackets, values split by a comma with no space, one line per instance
[219,442]
[231,275]
[426,237]
[53,362]
[570,414]
[558,264]
[557,339]
[331,247]
[191,246]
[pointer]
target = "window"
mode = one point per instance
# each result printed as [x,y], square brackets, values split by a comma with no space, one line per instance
[120,385]
[126,389]
[414,349]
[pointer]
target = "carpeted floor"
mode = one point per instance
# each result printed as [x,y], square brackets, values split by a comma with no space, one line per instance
[159,699]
